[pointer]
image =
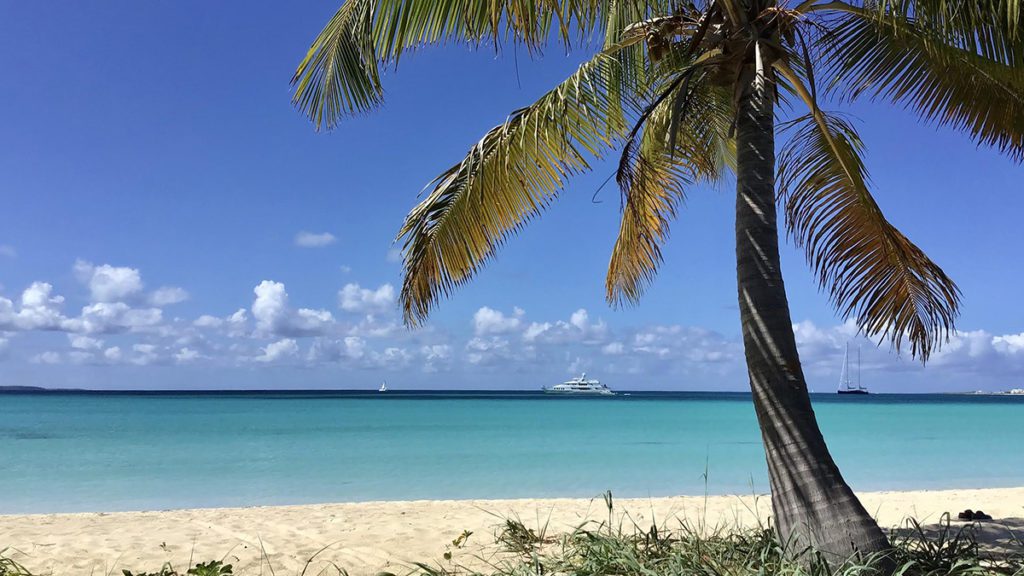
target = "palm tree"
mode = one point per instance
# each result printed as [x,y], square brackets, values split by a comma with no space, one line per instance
[690,93]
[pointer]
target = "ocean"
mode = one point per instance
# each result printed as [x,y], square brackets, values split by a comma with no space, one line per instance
[72,452]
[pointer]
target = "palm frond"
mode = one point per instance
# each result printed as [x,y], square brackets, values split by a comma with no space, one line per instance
[870,270]
[340,75]
[513,172]
[901,60]
[681,142]
[991,28]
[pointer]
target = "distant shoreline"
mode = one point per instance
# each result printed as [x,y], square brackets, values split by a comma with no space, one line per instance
[621,393]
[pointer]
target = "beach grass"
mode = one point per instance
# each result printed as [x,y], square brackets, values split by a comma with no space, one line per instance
[620,546]
[627,549]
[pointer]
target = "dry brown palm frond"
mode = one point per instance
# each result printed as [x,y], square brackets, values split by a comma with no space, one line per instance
[682,142]
[514,171]
[870,270]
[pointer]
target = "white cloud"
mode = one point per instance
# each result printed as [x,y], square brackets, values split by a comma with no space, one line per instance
[168,295]
[580,319]
[270,309]
[8,251]
[274,316]
[207,321]
[84,342]
[113,353]
[613,349]
[49,357]
[109,283]
[237,322]
[145,354]
[435,357]
[436,352]
[354,298]
[489,321]
[534,330]
[578,328]
[278,350]
[313,240]
[348,348]
[39,310]
[1009,344]
[345,269]
[109,317]
[488,351]
[186,355]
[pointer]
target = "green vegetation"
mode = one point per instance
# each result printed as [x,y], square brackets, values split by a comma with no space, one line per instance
[211,568]
[600,549]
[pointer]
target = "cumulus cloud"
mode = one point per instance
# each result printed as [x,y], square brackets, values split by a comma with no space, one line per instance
[435,357]
[49,357]
[168,295]
[144,354]
[489,321]
[108,283]
[613,348]
[488,351]
[39,310]
[84,342]
[111,317]
[207,321]
[273,315]
[355,298]
[314,240]
[186,355]
[578,328]
[1009,344]
[352,350]
[279,350]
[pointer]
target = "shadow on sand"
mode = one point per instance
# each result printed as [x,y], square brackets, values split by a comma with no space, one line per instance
[998,537]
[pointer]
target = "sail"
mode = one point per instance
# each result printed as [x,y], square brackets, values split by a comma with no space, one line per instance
[844,375]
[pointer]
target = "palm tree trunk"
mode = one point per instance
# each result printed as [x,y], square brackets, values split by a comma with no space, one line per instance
[813,506]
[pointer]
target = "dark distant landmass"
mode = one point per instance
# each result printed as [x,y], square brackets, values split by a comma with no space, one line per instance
[36,389]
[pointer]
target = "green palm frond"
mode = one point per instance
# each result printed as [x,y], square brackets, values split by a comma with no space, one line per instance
[340,74]
[870,270]
[677,147]
[513,172]
[898,59]
[991,28]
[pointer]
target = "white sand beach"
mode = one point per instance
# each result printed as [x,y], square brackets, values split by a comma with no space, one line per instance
[368,537]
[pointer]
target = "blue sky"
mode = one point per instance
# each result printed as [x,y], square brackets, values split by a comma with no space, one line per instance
[154,177]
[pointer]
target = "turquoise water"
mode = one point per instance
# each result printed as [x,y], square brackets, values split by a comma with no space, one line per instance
[82,452]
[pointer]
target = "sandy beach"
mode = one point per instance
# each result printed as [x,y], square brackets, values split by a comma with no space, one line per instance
[368,537]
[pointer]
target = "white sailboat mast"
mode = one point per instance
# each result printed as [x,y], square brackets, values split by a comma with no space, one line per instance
[859,387]
[844,376]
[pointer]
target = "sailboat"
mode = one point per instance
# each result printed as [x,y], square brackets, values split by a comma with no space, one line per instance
[845,385]
[383,386]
